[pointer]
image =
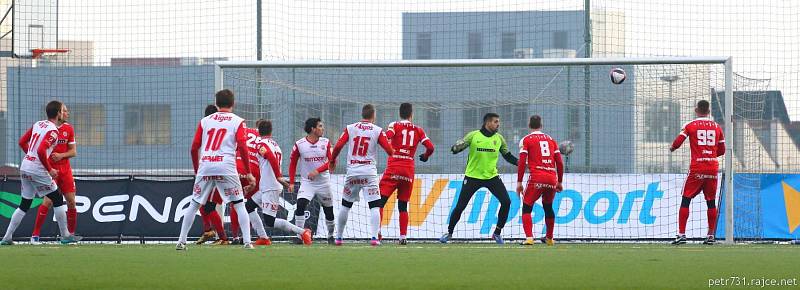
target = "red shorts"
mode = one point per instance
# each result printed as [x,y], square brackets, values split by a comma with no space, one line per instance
[257,174]
[215,197]
[701,181]
[64,180]
[540,186]
[400,179]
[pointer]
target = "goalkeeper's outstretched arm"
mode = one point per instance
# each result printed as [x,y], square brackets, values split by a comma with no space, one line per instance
[462,143]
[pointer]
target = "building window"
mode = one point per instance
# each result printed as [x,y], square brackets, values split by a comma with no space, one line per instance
[560,40]
[662,121]
[423,46]
[509,44]
[475,45]
[89,121]
[148,124]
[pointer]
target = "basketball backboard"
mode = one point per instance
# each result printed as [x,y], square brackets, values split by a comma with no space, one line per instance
[34,25]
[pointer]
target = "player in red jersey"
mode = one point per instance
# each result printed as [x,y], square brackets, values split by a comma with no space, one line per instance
[65,149]
[213,153]
[399,175]
[248,187]
[543,158]
[707,143]
[212,222]
[37,174]
[363,138]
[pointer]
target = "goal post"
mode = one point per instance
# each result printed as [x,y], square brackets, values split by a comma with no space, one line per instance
[332,89]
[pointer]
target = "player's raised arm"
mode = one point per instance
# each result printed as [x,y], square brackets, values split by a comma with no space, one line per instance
[195,149]
[384,143]
[25,140]
[462,143]
[241,146]
[510,158]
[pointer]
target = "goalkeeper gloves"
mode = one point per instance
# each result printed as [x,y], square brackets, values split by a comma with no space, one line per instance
[423,158]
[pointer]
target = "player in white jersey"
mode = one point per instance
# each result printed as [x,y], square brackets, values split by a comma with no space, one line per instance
[213,150]
[362,174]
[37,174]
[312,155]
[270,187]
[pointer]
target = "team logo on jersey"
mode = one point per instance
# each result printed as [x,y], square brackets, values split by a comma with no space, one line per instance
[64,133]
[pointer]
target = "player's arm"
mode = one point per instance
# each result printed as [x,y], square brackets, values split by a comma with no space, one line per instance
[72,149]
[41,152]
[428,146]
[559,165]
[523,158]
[326,165]
[293,159]
[720,143]
[384,143]
[679,139]
[462,143]
[339,145]
[510,158]
[195,149]
[244,153]
[25,140]
[390,132]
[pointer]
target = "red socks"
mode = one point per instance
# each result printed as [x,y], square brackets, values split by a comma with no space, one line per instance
[683,216]
[403,223]
[527,225]
[41,215]
[712,221]
[551,223]
[72,220]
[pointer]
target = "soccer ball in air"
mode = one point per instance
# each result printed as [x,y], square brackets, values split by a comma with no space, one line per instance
[617,75]
[566,147]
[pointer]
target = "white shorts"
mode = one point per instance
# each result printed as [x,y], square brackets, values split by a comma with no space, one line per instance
[320,187]
[268,201]
[366,184]
[229,186]
[36,185]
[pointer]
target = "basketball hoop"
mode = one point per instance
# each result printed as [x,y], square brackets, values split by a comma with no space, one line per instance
[38,52]
[45,55]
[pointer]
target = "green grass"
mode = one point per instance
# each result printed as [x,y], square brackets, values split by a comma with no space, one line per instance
[416,266]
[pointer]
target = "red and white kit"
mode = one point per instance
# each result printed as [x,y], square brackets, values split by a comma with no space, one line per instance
[545,165]
[707,142]
[214,151]
[399,175]
[35,167]
[307,157]
[363,138]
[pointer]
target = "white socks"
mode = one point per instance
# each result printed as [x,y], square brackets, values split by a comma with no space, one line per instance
[188,219]
[330,225]
[257,224]
[341,221]
[60,214]
[16,219]
[375,221]
[244,222]
[300,221]
[287,226]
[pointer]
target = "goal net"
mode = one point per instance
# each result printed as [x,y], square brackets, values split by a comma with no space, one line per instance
[621,181]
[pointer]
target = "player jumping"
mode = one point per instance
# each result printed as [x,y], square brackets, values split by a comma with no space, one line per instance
[484,147]
[362,174]
[707,143]
[37,174]
[216,140]
[543,158]
[399,175]
[312,154]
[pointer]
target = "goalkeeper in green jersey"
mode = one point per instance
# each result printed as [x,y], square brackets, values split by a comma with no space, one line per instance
[484,147]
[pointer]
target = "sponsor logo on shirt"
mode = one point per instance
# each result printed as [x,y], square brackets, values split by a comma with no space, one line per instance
[485,150]
[314,159]
[360,162]
[212,158]
[221,118]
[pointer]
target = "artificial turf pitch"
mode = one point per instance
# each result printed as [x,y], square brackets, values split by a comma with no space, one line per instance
[415,266]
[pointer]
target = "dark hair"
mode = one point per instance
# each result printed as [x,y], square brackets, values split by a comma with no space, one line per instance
[703,107]
[311,123]
[53,108]
[224,98]
[535,122]
[264,127]
[368,111]
[405,110]
[211,109]
[489,116]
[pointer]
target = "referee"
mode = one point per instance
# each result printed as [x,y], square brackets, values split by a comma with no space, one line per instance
[484,147]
